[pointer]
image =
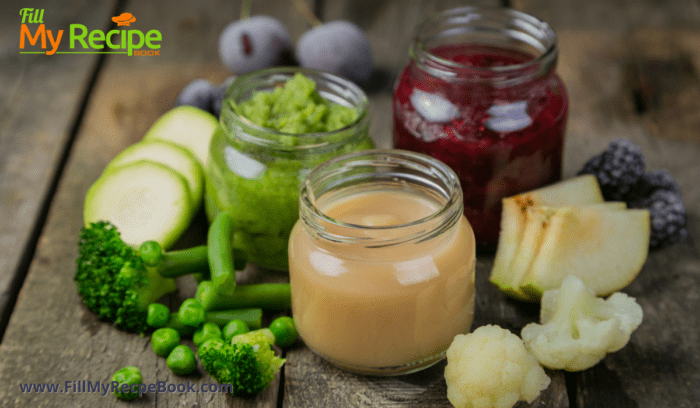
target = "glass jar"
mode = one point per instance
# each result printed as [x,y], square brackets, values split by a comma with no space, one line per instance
[381,262]
[254,173]
[480,93]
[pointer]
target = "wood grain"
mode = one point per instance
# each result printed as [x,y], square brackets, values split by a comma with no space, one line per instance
[631,69]
[40,98]
[52,337]
[636,76]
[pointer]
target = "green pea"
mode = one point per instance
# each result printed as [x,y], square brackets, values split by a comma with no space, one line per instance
[158,315]
[285,331]
[191,313]
[181,360]
[127,377]
[234,327]
[151,253]
[164,340]
[206,332]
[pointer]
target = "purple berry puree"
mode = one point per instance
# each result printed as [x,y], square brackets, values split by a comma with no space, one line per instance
[500,140]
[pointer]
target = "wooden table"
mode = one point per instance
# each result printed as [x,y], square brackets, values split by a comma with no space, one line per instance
[632,69]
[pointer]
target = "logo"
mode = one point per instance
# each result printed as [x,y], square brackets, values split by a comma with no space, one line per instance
[124,19]
[35,38]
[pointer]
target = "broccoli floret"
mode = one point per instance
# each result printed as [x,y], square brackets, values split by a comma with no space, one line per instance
[248,363]
[617,168]
[112,279]
[668,217]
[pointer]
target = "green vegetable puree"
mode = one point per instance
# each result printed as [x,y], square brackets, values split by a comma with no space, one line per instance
[264,204]
[296,108]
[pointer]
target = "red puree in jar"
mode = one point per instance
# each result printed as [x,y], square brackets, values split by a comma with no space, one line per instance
[500,139]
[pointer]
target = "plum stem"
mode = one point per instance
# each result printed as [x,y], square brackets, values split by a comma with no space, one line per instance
[246,5]
[306,12]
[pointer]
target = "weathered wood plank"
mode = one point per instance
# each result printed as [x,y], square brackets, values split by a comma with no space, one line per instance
[636,76]
[40,98]
[608,72]
[619,16]
[52,337]
[310,382]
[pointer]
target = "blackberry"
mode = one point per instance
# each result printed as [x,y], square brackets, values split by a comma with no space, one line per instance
[650,182]
[617,168]
[668,217]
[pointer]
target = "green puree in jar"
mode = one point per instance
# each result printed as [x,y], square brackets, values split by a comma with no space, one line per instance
[258,184]
[296,108]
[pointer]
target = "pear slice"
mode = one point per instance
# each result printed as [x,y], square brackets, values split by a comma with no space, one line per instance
[605,248]
[539,218]
[582,190]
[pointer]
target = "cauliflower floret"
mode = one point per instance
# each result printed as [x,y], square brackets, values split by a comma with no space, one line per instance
[578,329]
[491,368]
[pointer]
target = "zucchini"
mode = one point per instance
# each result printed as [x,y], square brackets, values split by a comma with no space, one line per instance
[146,201]
[188,127]
[169,154]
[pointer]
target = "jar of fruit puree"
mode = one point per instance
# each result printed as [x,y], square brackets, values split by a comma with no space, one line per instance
[381,262]
[480,93]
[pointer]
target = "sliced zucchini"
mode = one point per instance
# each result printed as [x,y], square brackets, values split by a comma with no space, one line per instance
[169,154]
[186,126]
[144,200]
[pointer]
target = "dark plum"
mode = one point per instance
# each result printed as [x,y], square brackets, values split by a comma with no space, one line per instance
[197,93]
[339,47]
[254,43]
[217,96]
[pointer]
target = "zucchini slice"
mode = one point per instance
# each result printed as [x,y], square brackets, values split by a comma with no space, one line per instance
[169,154]
[186,126]
[144,200]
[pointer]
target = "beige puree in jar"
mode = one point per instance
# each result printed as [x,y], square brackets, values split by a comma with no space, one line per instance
[369,308]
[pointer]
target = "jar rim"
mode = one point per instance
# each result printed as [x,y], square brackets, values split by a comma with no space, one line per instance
[271,138]
[424,228]
[533,31]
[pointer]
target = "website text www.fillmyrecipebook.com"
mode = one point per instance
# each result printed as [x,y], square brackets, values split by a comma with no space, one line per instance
[109,387]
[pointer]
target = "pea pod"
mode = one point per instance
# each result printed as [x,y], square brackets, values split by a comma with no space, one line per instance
[220,252]
[251,316]
[268,296]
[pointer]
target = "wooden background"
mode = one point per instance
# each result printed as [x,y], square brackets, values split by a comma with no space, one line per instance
[631,68]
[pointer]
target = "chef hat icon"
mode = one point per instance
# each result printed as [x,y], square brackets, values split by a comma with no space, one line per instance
[124,19]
